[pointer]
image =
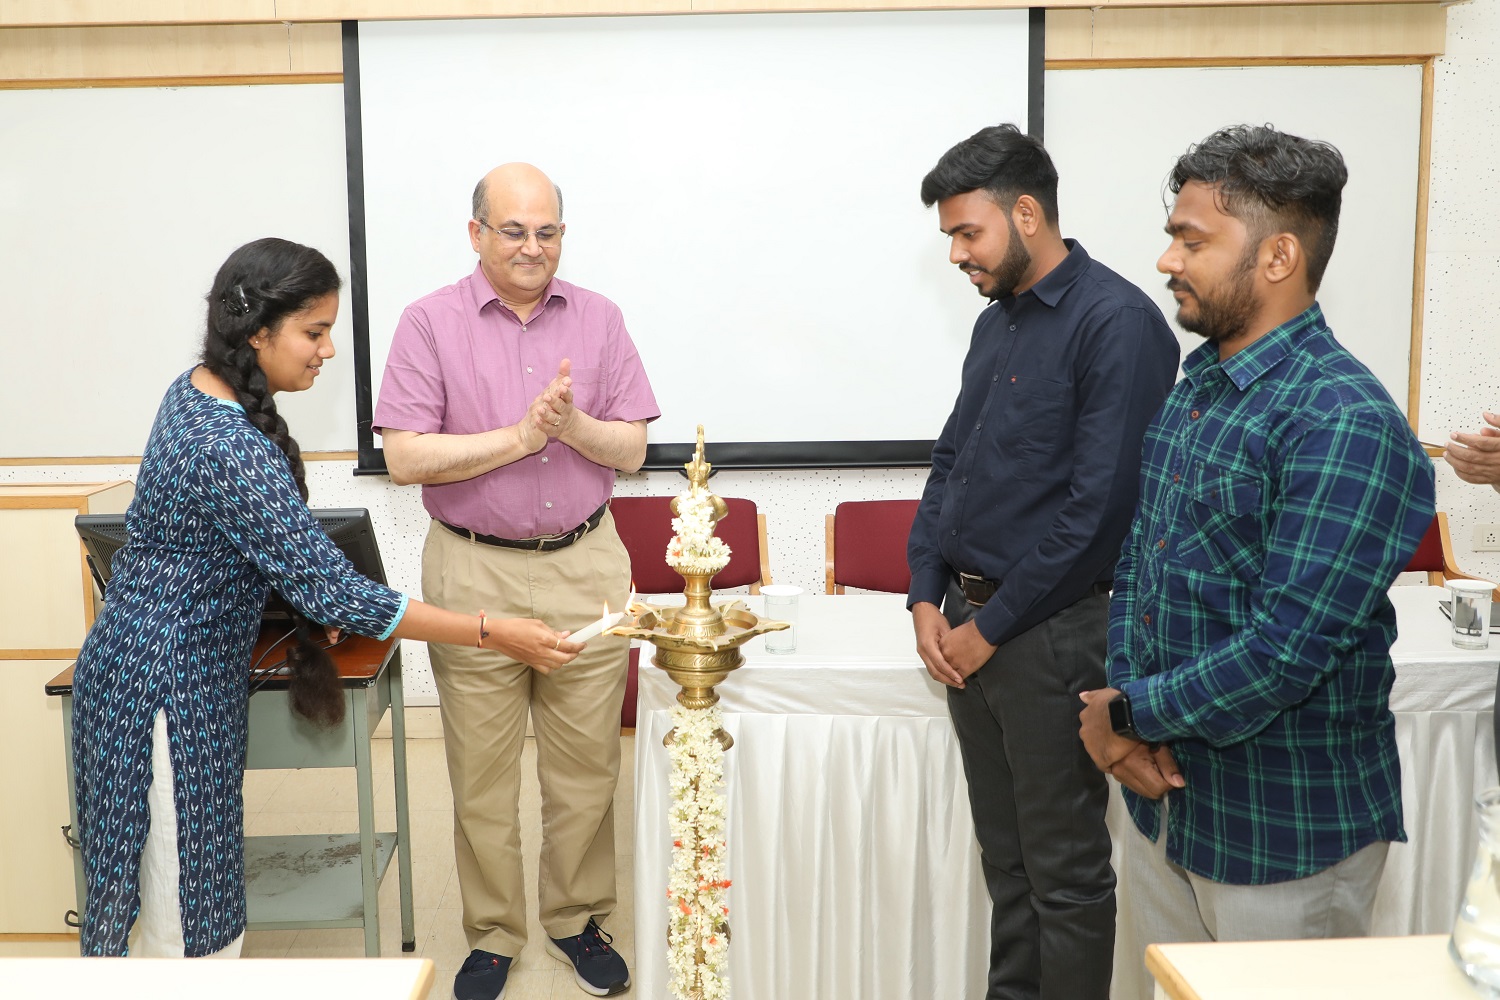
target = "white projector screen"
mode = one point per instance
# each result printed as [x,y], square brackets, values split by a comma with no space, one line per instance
[745,187]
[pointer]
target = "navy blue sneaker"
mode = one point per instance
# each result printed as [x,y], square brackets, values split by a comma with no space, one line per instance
[597,967]
[482,977]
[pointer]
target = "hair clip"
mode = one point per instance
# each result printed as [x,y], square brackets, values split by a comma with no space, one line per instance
[236,301]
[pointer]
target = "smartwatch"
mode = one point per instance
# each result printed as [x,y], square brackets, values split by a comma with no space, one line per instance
[1121,719]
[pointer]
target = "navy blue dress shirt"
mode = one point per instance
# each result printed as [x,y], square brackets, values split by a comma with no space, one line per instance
[1034,478]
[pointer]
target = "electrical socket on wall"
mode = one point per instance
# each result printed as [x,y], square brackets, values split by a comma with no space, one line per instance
[1487,538]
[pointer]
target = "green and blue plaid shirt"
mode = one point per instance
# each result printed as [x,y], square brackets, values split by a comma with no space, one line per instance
[1281,493]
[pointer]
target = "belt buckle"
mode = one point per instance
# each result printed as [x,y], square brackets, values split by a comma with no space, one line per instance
[964,581]
[542,541]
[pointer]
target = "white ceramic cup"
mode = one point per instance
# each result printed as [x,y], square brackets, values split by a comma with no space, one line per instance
[781,606]
[1471,613]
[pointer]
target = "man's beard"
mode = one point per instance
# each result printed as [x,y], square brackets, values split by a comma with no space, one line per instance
[1225,315]
[1012,267]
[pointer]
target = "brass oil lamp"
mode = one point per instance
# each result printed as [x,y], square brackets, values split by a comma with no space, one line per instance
[698,644]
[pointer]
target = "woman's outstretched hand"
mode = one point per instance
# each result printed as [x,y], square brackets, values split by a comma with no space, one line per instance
[531,642]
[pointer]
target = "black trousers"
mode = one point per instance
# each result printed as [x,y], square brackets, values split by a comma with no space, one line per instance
[1038,804]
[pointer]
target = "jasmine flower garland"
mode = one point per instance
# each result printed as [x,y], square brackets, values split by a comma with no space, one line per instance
[697,923]
[694,549]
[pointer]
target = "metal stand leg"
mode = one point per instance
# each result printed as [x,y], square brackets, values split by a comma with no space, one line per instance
[359,712]
[80,885]
[403,820]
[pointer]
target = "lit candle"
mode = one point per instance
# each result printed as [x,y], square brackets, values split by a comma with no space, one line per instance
[593,629]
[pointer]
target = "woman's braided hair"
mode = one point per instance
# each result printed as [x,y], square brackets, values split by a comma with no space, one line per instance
[258,287]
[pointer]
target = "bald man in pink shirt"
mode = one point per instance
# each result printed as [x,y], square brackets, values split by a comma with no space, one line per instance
[513,397]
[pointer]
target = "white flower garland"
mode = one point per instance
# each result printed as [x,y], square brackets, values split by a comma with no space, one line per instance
[694,549]
[697,922]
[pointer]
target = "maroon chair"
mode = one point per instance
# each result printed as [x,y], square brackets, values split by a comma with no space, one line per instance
[645,526]
[632,687]
[865,546]
[1434,556]
[1429,555]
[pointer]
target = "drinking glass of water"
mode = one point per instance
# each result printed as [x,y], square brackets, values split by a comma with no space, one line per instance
[1475,944]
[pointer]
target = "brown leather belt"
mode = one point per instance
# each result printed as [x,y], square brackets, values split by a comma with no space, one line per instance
[543,543]
[977,590]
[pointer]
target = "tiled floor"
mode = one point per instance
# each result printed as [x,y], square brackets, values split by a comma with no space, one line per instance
[323,801]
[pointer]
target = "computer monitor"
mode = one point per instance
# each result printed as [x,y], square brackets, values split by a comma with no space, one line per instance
[350,528]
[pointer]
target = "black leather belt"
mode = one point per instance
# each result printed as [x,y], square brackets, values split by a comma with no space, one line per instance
[542,543]
[977,590]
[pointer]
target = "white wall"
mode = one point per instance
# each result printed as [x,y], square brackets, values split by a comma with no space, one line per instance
[1461,342]
[105,271]
[1114,206]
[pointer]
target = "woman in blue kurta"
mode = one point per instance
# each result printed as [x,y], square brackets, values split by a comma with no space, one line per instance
[161,686]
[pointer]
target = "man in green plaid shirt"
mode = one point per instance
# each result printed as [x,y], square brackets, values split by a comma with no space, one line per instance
[1250,630]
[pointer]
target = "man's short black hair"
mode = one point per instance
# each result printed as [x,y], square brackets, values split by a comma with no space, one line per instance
[1000,159]
[1273,183]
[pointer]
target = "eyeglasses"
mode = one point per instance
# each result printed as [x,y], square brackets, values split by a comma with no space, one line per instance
[548,237]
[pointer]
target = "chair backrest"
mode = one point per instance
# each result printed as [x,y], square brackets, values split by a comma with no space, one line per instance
[1434,556]
[645,526]
[865,546]
[1429,555]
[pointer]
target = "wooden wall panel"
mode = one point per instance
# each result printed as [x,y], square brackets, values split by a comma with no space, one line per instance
[65,12]
[42,13]
[1104,36]
[143,54]
[215,53]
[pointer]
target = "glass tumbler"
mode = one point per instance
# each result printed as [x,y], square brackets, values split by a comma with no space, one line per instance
[1475,944]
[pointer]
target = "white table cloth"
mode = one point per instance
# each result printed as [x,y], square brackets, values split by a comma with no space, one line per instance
[851,844]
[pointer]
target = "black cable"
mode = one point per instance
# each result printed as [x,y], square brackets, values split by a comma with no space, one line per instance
[259,679]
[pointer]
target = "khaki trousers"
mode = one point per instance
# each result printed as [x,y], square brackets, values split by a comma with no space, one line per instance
[575,712]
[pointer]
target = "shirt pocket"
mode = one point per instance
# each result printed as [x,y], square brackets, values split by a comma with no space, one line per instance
[1224,520]
[588,389]
[1037,412]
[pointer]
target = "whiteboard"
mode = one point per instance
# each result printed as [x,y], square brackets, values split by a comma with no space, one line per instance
[1114,135]
[745,187]
[117,205]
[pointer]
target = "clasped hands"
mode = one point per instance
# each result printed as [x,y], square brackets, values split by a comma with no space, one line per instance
[950,654]
[1136,765]
[551,413]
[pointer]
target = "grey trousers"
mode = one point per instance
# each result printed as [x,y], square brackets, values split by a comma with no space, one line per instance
[1038,804]
[1167,903]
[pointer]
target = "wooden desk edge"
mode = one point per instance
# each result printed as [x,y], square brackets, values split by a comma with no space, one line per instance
[350,676]
[423,985]
[1166,975]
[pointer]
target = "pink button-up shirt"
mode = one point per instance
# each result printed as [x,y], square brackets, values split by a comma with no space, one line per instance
[462,362]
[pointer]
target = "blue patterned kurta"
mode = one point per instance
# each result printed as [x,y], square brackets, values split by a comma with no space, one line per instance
[216,521]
